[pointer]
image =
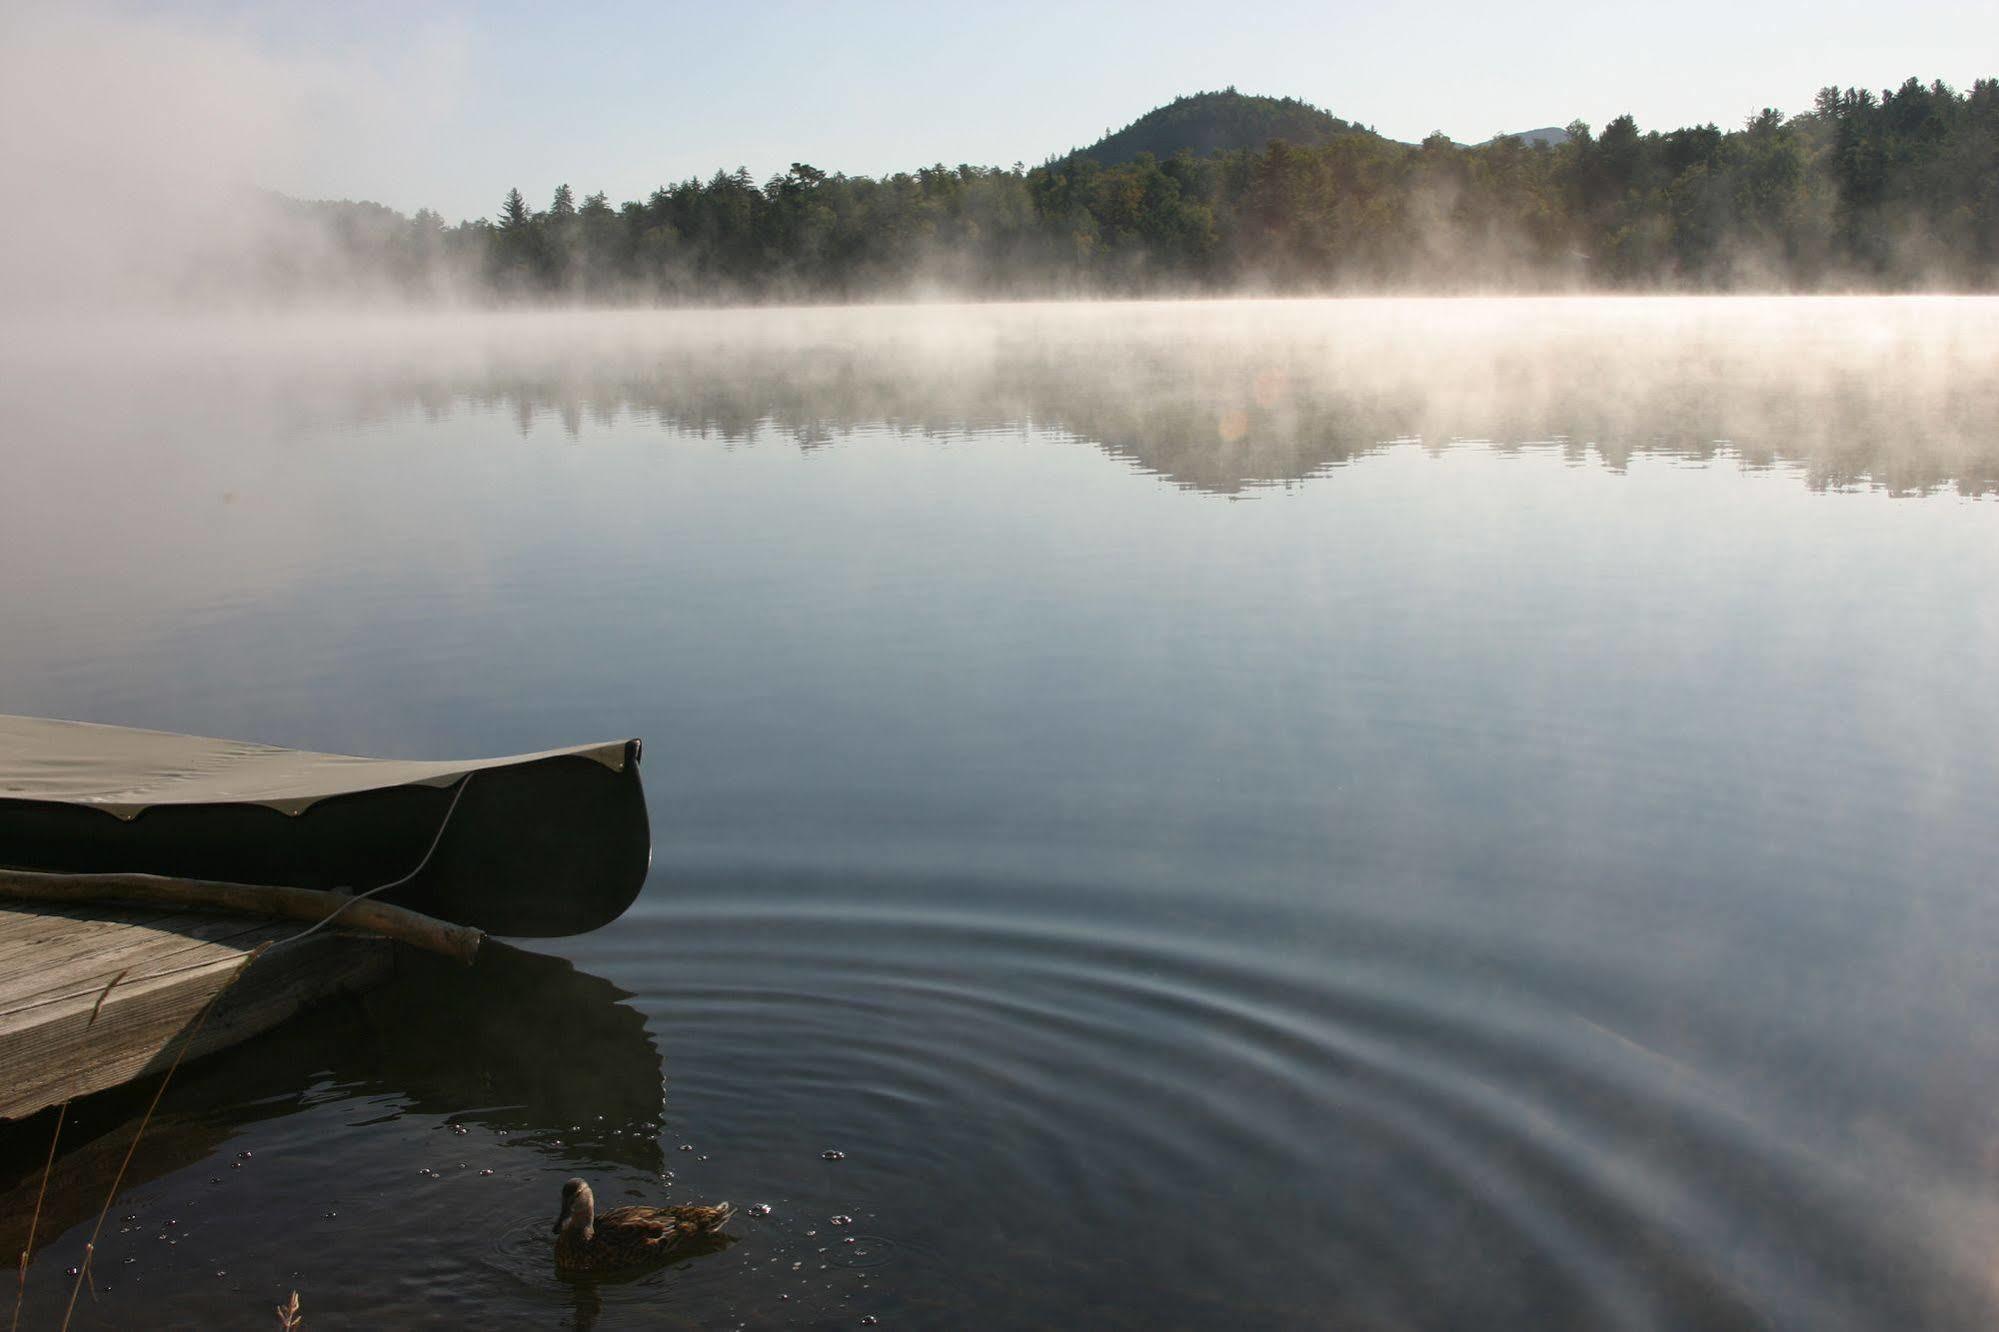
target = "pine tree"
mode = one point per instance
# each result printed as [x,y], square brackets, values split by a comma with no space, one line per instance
[513,211]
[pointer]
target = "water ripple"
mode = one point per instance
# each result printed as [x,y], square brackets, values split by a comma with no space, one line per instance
[1129,1078]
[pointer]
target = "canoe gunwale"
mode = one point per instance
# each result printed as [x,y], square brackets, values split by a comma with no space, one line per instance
[127,771]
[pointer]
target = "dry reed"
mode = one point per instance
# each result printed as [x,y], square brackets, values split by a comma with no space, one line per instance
[48,1166]
[194,1029]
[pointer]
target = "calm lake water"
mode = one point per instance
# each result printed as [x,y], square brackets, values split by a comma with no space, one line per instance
[1368,814]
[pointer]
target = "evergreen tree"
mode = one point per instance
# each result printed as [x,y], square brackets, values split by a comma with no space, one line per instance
[1888,190]
[513,211]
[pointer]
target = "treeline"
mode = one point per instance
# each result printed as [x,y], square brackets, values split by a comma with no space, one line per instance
[1895,191]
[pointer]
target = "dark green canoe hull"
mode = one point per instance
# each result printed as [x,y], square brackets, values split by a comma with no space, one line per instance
[548,845]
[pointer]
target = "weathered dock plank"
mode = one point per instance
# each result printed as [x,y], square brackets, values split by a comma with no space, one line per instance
[58,962]
[76,957]
[22,940]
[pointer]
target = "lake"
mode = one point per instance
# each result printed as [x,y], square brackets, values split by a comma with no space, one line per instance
[1366,814]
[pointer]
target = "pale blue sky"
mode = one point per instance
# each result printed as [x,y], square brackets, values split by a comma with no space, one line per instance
[463,99]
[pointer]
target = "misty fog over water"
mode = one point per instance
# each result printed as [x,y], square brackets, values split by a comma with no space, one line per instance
[1365,813]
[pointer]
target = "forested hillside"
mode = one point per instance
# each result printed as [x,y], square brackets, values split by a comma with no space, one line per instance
[1219,122]
[1895,190]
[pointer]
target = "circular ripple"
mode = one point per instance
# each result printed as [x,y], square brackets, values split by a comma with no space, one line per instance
[865,1253]
[1411,1093]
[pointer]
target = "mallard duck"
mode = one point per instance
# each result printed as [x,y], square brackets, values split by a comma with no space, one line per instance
[632,1236]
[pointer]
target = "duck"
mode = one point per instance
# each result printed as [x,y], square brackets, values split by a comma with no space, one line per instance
[627,1237]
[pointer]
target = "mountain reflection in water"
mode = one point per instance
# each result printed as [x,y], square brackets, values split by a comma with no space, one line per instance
[1224,397]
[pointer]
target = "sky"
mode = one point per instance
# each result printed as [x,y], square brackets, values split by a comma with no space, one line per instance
[449,104]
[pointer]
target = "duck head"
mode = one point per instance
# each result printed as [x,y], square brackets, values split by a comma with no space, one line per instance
[579,1209]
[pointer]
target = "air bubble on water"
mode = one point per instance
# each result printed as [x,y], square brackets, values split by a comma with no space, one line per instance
[487,1171]
[832,1154]
[760,1209]
[841,1220]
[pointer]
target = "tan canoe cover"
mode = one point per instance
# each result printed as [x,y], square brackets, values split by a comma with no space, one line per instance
[126,772]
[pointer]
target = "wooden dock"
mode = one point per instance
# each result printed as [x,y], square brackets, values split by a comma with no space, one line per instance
[93,996]
[141,872]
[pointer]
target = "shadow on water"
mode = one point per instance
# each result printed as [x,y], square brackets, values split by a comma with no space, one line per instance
[521,1043]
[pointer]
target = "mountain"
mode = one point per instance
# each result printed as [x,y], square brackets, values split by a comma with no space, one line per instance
[1219,122]
[1550,135]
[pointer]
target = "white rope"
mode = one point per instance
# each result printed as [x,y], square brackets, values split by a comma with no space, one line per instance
[436,839]
[421,865]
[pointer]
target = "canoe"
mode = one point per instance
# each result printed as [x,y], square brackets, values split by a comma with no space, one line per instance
[540,844]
